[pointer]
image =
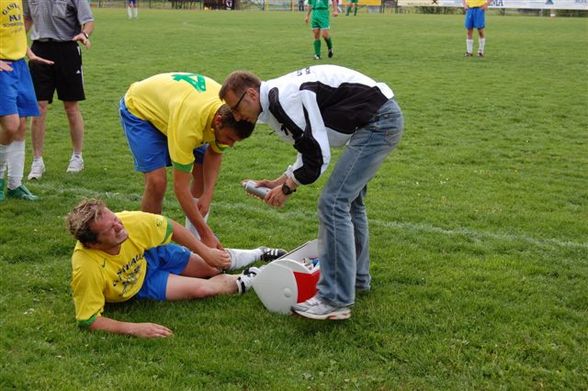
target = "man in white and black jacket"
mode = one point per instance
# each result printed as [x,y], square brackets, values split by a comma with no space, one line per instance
[314,109]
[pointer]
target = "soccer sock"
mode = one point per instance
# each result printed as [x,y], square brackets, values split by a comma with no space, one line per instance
[242,258]
[317,47]
[481,44]
[355,11]
[329,42]
[348,11]
[469,45]
[15,157]
[135,12]
[2,160]
[129,12]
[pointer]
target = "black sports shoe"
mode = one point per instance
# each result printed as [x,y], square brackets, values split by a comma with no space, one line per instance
[330,52]
[245,280]
[270,254]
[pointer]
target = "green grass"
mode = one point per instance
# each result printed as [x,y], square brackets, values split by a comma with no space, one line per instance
[478,220]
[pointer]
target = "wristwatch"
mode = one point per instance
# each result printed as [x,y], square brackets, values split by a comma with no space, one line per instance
[287,190]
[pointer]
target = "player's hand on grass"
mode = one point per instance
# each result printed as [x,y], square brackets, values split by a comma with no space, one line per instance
[150,330]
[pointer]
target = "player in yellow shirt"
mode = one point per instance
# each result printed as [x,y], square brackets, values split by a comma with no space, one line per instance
[475,17]
[127,255]
[165,119]
[17,97]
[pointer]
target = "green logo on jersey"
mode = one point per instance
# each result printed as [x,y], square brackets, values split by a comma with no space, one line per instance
[195,80]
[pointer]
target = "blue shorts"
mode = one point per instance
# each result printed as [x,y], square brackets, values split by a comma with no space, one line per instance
[475,18]
[161,262]
[18,93]
[148,145]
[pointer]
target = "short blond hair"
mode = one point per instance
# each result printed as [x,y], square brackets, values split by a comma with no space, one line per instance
[78,221]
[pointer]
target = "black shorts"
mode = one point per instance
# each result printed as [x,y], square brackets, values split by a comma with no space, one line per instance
[65,75]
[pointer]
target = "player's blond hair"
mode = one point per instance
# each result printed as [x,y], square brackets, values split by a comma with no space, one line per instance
[78,221]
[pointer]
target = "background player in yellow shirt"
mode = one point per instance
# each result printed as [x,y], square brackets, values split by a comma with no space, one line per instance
[17,97]
[475,17]
[127,255]
[165,118]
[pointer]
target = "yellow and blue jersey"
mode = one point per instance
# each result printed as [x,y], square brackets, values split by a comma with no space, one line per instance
[99,278]
[182,106]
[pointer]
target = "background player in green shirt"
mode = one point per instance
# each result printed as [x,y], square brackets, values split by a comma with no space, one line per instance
[320,24]
[352,4]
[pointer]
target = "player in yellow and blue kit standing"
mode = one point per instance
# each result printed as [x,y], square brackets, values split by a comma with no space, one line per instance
[17,97]
[320,24]
[168,119]
[475,17]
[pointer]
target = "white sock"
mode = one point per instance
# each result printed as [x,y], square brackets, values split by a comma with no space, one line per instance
[130,12]
[469,45]
[2,160]
[76,155]
[15,158]
[481,44]
[135,12]
[242,258]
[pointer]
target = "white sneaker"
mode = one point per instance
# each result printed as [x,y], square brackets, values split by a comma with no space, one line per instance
[37,169]
[245,280]
[316,308]
[76,164]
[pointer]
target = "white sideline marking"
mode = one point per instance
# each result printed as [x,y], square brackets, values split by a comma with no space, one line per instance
[310,215]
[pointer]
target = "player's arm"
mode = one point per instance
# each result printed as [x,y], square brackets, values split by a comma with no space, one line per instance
[465,4]
[184,197]
[308,11]
[144,330]
[216,258]
[210,169]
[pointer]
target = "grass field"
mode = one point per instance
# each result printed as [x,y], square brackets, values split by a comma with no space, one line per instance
[478,220]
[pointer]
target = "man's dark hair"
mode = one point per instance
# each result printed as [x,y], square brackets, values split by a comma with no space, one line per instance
[239,81]
[243,129]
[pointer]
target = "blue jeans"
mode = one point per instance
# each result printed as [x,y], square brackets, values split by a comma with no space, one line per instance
[343,227]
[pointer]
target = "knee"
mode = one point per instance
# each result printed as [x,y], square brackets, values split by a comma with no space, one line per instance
[11,125]
[155,186]
[327,207]
[71,108]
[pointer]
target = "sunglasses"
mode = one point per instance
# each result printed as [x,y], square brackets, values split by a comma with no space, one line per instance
[236,107]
